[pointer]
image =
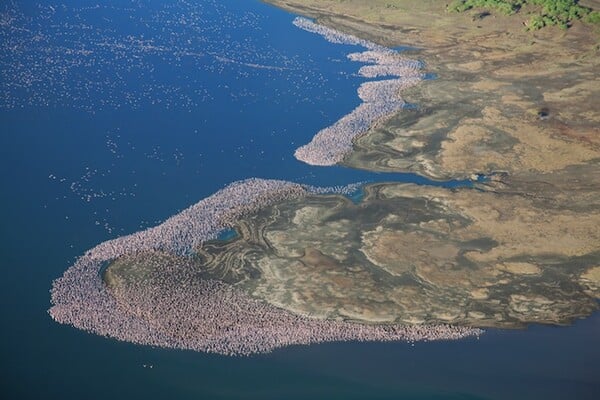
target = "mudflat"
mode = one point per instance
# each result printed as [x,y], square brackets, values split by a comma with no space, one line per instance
[505,99]
[516,105]
[518,247]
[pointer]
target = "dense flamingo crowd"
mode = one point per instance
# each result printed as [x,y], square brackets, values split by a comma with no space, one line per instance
[380,98]
[177,309]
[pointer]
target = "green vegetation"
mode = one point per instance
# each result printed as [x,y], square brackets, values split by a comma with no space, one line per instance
[593,18]
[504,6]
[552,12]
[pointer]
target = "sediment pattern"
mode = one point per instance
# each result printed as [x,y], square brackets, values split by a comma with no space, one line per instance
[407,254]
[380,98]
[176,308]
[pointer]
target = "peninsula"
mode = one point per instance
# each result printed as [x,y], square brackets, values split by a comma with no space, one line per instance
[509,103]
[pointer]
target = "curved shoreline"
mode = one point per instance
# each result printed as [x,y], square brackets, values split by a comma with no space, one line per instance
[380,98]
[177,309]
[217,318]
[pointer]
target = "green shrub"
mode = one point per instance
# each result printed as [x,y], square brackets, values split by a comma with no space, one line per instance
[593,18]
[552,12]
[536,22]
[504,6]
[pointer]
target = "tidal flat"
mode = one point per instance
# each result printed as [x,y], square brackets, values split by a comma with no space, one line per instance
[517,106]
[409,254]
[118,115]
[506,99]
[407,262]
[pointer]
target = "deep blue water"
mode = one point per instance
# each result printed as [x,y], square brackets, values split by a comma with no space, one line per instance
[116,117]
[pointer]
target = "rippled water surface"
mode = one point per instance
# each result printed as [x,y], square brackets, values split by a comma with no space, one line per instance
[116,115]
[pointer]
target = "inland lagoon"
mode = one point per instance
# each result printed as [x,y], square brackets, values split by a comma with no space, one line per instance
[258,204]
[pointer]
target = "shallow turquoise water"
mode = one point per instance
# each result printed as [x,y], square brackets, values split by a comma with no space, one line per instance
[100,160]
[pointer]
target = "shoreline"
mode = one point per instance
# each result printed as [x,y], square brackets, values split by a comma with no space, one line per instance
[218,318]
[381,97]
[241,336]
[512,105]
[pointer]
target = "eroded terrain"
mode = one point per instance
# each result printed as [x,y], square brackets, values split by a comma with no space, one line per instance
[410,254]
[522,247]
[407,262]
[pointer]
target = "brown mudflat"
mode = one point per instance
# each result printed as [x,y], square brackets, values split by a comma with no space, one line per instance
[522,247]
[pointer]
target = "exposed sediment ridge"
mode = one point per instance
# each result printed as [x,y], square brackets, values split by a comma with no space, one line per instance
[177,309]
[380,98]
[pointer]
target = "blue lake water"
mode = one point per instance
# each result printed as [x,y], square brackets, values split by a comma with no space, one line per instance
[114,117]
